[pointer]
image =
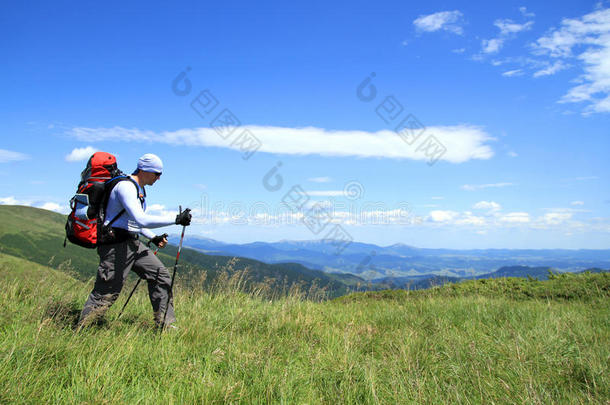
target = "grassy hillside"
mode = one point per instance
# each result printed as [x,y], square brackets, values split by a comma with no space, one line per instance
[38,235]
[441,347]
[560,286]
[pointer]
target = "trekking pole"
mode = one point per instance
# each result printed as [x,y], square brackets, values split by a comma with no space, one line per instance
[171,286]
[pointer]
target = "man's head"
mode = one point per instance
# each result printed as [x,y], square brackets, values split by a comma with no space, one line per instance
[149,170]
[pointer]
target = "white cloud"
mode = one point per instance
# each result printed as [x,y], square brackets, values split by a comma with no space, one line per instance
[155,207]
[469,219]
[11,156]
[508,27]
[443,216]
[474,187]
[459,50]
[526,13]
[556,218]
[443,20]
[491,45]
[512,154]
[45,205]
[51,206]
[462,142]
[551,69]
[79,154]
[487,205]
[62,209]
[587,40]
[577,203]
[510,73]
[160,209]
[587,30]
[9,201]
[515,217]
[320,179]
[561,219]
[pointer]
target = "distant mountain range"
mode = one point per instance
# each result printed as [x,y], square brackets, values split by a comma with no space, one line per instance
[419,282]
[373,262]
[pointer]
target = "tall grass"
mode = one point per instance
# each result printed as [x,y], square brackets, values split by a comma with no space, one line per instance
[247,347]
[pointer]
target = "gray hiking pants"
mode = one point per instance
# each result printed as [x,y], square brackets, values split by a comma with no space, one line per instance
[116,261]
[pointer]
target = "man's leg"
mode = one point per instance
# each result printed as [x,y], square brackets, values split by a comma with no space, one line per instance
[149,267]
[115,262]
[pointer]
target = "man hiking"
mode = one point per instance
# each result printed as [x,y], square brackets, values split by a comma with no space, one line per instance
[126,252]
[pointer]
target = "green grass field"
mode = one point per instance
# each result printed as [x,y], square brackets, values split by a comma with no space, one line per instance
[428,347]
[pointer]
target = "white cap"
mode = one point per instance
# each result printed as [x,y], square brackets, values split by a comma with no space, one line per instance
[150,163]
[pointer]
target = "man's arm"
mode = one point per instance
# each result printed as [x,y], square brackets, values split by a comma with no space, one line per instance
[148,233]
[127,194]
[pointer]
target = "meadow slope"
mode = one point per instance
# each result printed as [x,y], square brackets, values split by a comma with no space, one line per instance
[234,347]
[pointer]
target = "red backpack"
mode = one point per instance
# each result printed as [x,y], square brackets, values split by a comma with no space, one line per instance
[85,222]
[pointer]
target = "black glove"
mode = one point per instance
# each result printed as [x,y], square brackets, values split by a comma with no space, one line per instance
[184,217]
[157,239]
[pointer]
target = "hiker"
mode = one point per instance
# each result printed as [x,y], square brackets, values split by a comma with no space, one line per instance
[125,213]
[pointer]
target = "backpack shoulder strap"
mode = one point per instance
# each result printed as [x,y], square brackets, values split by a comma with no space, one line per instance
[110,184]
[142,196]
[116,217]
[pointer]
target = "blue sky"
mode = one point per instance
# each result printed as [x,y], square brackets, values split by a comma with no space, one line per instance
[482,125]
